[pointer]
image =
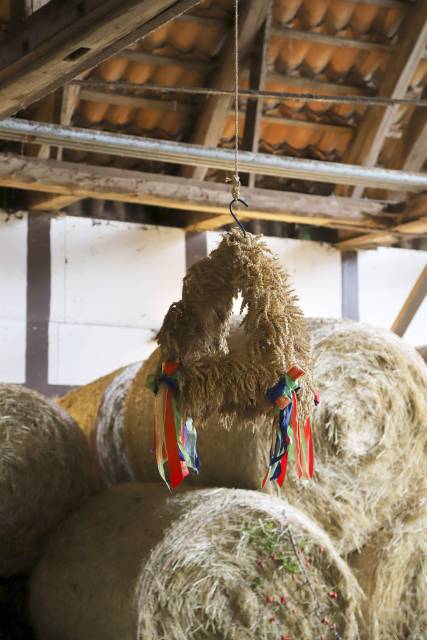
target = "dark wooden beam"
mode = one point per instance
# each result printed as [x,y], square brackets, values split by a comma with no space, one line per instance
[411,305]
[254,106]
[104,183]
[349,285]
[375,126]
[65,39]
[209,126]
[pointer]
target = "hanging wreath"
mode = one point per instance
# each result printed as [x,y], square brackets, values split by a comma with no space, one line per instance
[201,376]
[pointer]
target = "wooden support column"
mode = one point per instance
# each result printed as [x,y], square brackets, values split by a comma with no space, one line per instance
[209,126]
[254,106]
[64,39]
[367,145]
[411,304]
[349,285]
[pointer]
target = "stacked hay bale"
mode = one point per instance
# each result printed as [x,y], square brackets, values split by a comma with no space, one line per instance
[218,563]
[45,473]
[117,412]
[370,441]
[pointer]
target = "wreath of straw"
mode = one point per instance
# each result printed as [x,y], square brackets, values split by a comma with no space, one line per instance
[194,332]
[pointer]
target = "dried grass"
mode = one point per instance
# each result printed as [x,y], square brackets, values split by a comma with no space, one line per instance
[195,330]
[371,433]
[392,569]
[135,562]
[45,472]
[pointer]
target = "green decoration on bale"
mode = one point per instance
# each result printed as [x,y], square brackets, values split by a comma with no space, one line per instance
[193,565]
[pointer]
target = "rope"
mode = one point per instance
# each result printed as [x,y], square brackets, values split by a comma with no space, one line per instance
[368,101]
[235,180]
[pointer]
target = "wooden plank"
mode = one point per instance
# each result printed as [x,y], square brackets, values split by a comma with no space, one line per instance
[400,70]
[254,106]
[158,60]
[287,33]
[423,352]
[104,183]
[64,39]
[135,101]
[386,237]
[411,305]
[118,96]
[209,125]
[415,142]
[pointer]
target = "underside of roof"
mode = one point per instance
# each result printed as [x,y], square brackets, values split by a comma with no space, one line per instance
[152,87]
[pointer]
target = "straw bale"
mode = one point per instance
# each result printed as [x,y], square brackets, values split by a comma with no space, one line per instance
[371,430]
[392,570]
[208,564]
[45,472]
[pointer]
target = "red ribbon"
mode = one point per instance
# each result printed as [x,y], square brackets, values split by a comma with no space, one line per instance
[281,478]
[177,471]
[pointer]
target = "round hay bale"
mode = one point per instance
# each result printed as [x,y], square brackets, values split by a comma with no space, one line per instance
[45,472]
[392,570]
[215,563]
[370,430]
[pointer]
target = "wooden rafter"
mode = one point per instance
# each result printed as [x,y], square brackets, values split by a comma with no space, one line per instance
[254,106]
[103,183]
[65,39]
[367,145]
[210,124]
[416,227]
[287,33]
[411,304]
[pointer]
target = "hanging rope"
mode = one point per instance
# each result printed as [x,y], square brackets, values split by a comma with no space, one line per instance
[235,180]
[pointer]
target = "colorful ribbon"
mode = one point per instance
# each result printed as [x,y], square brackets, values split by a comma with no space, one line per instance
[287,437]
[175,439]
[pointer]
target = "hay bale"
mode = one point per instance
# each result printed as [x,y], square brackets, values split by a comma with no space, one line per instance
[392,570]
[371,430]
[218,563]
[45,472]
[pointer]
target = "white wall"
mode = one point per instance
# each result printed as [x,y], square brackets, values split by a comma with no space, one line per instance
[385,278]
[112,284]
[13,303]
[314,269]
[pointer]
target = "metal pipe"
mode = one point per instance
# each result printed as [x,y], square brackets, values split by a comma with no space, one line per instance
[195,155]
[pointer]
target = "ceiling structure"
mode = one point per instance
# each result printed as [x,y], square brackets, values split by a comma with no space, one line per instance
[139,67]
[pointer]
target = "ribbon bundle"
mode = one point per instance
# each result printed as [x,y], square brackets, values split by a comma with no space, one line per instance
[174,438]
[287,435]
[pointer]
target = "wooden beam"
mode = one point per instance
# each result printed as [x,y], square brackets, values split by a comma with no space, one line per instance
[135,101]
[375,126]
[104,183]
[117,96]
[411,305]
[254,106]
[423,352]
[415,142]
[64,39]
[209,125]
[287,33]
[386,237]
[158,60]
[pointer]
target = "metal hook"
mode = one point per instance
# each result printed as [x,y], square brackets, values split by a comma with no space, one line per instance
[230,206]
